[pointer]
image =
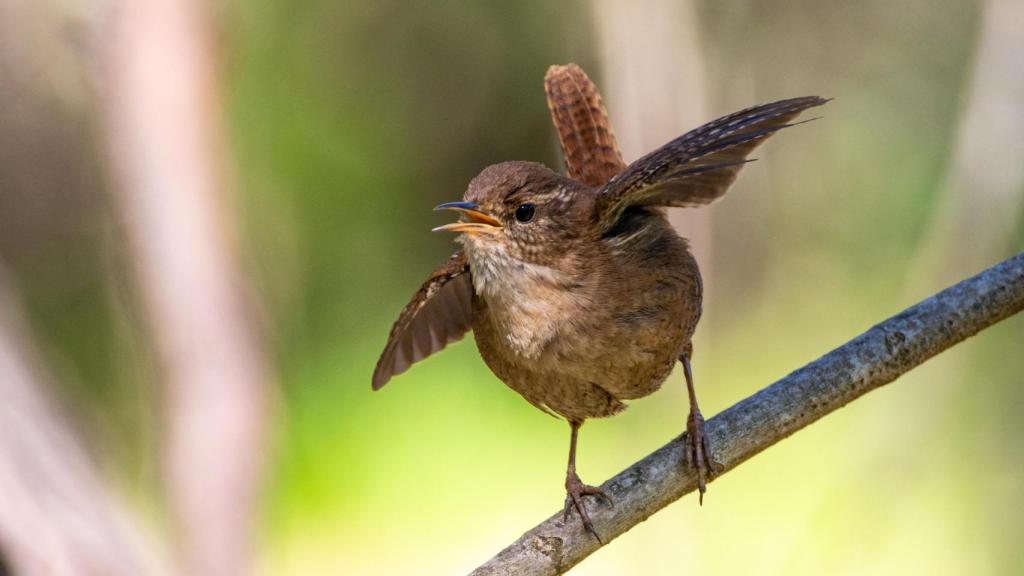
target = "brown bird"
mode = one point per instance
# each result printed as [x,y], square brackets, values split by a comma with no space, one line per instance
[580,294]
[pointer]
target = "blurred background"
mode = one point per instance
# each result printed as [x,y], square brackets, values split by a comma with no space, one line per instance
[210,214]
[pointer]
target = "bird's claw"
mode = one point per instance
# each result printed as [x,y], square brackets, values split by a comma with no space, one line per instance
[575,489]
[698,452]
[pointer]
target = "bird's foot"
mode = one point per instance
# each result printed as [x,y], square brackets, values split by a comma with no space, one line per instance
[575,489]
[698,452]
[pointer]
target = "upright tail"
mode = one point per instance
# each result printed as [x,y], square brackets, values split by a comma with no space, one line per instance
[588,144]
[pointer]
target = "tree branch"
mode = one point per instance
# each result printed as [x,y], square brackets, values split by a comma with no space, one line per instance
[869,361]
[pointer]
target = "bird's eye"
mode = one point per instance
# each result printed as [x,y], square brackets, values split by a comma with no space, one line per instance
[524,213]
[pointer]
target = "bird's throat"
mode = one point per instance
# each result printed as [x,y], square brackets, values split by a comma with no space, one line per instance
[529,303]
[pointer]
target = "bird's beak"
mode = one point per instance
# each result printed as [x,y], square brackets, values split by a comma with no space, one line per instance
[477,221]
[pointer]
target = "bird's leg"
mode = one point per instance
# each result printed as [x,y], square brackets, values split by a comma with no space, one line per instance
[698,452]
[575,489]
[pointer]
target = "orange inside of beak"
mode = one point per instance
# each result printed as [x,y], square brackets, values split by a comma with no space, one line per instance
[477,221]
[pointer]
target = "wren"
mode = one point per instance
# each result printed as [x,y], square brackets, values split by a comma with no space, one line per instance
[579,293]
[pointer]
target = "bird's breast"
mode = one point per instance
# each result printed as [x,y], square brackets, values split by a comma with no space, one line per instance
[527,304]
[531,311]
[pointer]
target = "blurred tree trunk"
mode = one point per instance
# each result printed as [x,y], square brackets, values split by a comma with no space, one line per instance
[981,203]
[171,180]
[56,515]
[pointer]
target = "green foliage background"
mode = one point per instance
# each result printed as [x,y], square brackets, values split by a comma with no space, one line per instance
[351,120]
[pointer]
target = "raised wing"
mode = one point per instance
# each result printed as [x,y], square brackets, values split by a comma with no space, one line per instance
[588,144]
[440,313]
[699,166]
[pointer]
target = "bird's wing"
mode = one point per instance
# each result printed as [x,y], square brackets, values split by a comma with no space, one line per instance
[699,166]
[440,313]
[588,143]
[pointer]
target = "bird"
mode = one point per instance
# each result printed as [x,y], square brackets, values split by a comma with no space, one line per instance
[579,293]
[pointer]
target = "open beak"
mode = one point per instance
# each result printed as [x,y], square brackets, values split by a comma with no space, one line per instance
[475,221]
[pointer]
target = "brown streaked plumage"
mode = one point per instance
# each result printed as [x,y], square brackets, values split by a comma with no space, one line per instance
[699,166]
[438,315]
[581,296]
[589,147]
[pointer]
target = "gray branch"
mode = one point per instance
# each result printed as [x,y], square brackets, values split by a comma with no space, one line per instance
[869,361]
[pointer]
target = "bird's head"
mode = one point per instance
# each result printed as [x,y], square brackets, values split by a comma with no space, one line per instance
[520,212]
